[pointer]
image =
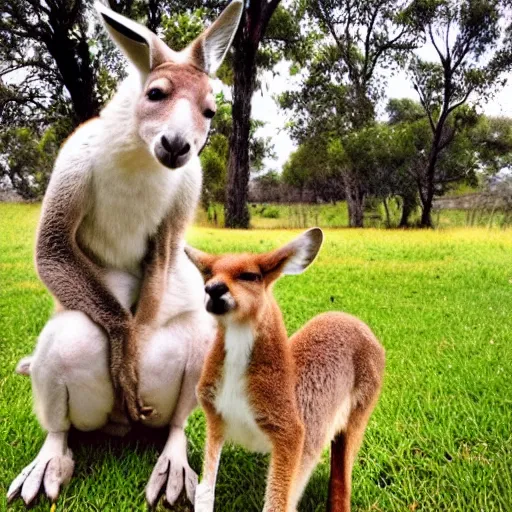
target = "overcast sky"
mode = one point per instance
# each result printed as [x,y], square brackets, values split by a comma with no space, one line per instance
[399,86]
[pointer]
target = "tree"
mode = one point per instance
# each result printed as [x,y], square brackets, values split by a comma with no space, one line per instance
[246,45]
[214,157]
[367,34]
[402,112]
[310,168]
[27,160]
[474,49]
[47,43]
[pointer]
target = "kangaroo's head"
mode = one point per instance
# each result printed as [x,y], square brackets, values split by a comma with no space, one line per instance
[176,104]
[238,286]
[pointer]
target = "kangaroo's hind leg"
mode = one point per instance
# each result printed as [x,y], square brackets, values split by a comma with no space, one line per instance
[71,385]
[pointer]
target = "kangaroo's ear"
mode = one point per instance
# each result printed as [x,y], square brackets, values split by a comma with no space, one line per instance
[142,48]
[208,51]
[294,257]
[202,260]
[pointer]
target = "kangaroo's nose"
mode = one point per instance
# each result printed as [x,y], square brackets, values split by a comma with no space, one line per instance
[216,290]
[178,149]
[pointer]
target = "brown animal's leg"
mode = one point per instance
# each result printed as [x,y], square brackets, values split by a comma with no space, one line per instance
[284,465]
[213,447]
[307,465]
[205,495]
[344,449]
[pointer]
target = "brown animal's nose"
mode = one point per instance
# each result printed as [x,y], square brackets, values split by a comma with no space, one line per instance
[177,148]
[216,290]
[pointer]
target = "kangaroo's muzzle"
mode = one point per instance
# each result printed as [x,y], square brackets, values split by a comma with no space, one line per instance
[173,152]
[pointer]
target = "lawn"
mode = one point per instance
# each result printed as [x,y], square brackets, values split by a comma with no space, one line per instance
[440,438]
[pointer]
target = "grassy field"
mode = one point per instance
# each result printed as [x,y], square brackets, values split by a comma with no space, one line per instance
[440,438]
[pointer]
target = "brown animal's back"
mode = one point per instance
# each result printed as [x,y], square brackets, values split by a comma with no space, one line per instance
[336,355]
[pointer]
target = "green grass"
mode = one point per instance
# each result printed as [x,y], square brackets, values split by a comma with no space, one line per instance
[297,216]
[440,438]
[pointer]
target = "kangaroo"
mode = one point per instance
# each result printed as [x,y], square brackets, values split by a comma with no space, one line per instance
[286,396]
[130,327]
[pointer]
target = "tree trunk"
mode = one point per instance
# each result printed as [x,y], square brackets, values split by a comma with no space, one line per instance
[74,64]
[408,205]
[426,216]
[355,204]
[386,209]
[247,40]
[236,211]
[427,199]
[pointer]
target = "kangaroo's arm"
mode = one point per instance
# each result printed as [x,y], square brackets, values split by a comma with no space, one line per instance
[75,281]
[163,249]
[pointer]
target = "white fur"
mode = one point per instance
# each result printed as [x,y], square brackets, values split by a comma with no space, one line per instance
[220,36]
[340,420]
[231,401]
[130,192]
[205,498]
[304,252]
[180,124]
[52,467]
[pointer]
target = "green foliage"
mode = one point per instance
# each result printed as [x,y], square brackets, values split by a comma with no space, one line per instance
[28,160]
[270,212]
[312,167]
[214,162]
[181,28]
[402,110]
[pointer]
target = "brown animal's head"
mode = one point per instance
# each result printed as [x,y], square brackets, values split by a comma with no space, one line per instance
[239,284]
[176,104]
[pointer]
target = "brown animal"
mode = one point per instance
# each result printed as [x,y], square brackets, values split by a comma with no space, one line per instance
[287,396]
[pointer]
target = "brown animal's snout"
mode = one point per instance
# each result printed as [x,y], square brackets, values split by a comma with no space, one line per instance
[219,300]
[216,290]
[173,152]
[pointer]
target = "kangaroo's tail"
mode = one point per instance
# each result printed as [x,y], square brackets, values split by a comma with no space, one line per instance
[23,367]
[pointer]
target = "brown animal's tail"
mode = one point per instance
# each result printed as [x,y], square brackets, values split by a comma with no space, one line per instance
[337,499]
[344,449]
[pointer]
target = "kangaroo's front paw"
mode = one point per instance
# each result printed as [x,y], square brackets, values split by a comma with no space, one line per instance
[168,478]
[205,498]
[46,471]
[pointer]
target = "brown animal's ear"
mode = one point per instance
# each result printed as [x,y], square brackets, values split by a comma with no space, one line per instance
[294,257]
[208,51]
[202,260]
[142,48]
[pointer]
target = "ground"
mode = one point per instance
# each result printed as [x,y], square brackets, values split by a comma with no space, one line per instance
[440,438]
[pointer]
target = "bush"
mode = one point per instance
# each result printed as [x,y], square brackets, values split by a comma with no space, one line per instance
[270,212]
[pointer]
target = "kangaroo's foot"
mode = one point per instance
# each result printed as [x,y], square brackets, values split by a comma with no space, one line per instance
[51,469]
[172,472]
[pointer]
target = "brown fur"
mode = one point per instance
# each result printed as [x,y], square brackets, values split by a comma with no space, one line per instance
[295,387]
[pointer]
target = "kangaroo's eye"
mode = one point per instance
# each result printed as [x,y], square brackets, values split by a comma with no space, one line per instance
[155,94]
[249,276]
[209,113]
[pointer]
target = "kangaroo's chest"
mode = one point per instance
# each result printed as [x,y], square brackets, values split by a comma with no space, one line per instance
[232,400]
[125,210]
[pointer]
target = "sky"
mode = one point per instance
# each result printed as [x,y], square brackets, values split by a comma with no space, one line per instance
[274,83]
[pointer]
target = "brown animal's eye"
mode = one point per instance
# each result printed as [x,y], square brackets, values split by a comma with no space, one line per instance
[249,276]
[155,94]
[209,113]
